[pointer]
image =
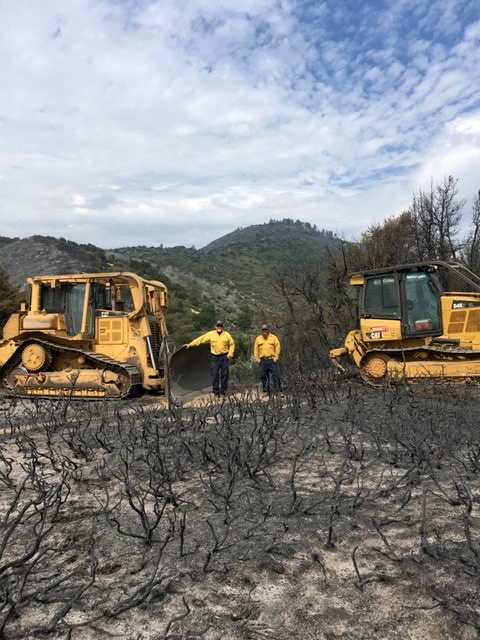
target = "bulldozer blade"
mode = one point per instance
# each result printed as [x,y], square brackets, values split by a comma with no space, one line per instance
[190,372]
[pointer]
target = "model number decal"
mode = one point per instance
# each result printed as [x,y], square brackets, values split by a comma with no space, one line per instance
[379,329]
[465,304]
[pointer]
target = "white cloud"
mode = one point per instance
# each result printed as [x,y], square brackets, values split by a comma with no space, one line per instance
[466,125]
[78,200]
[135,121]
[457,153]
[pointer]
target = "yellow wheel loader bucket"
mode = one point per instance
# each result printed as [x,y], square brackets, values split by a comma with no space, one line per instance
[190,372]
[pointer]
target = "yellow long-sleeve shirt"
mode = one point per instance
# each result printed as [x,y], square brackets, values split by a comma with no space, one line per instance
[220,343]
[268,347]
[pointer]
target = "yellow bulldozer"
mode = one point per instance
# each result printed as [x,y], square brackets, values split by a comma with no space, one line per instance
[96,335]
[413,324]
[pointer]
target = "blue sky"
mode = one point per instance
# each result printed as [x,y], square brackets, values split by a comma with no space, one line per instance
[172,122]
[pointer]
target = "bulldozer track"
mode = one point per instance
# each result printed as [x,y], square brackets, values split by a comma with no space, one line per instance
[99,362]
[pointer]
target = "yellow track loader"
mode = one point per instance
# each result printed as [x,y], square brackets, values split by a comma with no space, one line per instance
[411,327]
[87,335]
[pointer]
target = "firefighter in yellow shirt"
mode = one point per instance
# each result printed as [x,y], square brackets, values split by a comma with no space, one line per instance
[222,348]
[266,352]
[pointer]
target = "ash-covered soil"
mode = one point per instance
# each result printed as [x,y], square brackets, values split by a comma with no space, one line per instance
[337,511]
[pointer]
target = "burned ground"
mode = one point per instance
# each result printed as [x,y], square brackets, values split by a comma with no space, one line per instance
[336,512]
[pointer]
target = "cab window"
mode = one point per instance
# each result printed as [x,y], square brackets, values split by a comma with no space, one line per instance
[381,298]
[423,309]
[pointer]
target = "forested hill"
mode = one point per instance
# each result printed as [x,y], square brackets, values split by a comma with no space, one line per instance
[287,232]
[42,255]
[241,259]
[227,278]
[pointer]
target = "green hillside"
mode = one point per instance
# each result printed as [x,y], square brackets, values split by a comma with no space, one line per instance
[233,277]
[4,241]
[277,234]
[241,260]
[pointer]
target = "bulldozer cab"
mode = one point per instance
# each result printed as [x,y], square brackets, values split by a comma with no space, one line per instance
[416,321]
[398,304]
[82,302]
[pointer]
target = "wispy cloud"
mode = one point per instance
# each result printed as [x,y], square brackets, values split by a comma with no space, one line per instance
[175,121]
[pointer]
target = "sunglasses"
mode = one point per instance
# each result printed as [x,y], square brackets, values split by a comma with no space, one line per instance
[219,325]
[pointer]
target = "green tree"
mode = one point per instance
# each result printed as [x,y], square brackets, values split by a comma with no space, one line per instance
[205,319]
[245,318]
[10,297]
[389,243]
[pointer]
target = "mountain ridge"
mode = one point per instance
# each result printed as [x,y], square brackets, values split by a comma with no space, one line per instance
[231,277]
